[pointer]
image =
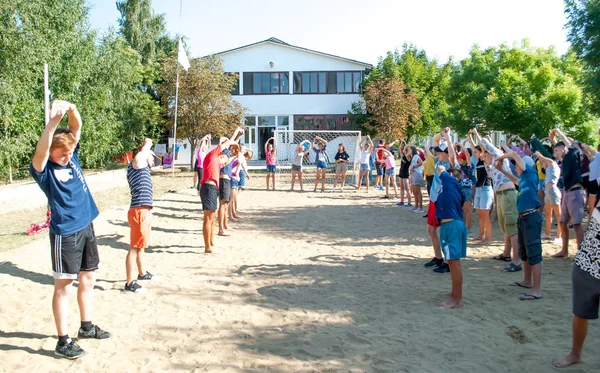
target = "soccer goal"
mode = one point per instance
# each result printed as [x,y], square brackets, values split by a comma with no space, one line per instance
[288,140]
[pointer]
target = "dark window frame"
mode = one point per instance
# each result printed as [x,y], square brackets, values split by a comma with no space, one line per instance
[248,77]
[330,81]
[310,122]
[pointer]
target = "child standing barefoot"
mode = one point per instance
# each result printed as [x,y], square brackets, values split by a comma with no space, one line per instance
[453,233]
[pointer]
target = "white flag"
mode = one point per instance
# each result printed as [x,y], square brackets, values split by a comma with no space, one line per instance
[182,57]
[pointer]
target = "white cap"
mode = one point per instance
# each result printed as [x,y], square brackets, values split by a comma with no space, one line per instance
[528,161]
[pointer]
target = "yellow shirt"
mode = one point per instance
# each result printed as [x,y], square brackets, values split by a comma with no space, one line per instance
[428,165]
[540,167]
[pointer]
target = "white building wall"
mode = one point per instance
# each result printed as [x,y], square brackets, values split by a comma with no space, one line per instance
[257,59]
[297,104]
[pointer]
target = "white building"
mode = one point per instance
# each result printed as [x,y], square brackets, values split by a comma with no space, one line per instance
[288,87]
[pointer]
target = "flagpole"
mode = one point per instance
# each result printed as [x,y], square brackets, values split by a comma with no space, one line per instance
[176,91]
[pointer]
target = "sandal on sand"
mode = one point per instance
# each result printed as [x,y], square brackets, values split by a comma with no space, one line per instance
[530,297]
[502,258]
[512,267]
[516,283]
[386,197]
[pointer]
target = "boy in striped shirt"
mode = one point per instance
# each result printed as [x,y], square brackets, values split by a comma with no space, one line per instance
[139,217]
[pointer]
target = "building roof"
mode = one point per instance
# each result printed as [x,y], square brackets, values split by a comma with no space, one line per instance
[282,43]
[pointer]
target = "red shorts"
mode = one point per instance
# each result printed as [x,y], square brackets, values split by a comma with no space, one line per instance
[431,218]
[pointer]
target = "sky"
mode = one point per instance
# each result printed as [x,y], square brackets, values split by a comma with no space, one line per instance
[360,30]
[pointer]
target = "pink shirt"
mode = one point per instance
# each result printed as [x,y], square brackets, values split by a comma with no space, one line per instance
[200,155]
[270,158]
[390,162]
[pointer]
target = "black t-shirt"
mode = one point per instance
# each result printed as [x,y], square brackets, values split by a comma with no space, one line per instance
[483,179]
[571,169]
[404,166]
[342,155]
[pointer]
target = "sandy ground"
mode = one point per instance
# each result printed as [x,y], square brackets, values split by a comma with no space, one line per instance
[307,282]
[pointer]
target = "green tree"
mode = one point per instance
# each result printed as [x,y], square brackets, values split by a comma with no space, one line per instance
[583,25]
[426,78]
[205,104]
[518,90]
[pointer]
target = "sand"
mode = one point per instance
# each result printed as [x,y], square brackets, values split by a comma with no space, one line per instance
[307,282]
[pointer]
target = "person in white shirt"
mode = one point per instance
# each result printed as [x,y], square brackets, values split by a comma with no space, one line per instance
[416,178]
[365,162]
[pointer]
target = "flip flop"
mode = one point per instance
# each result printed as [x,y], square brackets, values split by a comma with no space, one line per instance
[501,257]
[513,268]
[516,283]
[530,297]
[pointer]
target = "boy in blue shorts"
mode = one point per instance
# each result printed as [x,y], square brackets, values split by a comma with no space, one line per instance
[453,233]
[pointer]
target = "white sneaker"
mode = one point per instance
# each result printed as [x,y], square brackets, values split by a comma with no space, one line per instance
[341,190]
[333,190]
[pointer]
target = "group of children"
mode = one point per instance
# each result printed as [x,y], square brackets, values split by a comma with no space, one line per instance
[516,179]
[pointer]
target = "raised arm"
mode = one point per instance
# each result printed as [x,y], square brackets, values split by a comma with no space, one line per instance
[57,112]
[509,175]
[487,144]
[370,143]
[509,153]
[325,142]
[545,161]
[564,138]
[451,150]
[470,138]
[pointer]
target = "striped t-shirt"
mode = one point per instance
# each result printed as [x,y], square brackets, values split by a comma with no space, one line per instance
[140,185]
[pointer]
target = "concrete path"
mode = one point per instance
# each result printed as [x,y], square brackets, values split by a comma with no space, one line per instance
[24,196]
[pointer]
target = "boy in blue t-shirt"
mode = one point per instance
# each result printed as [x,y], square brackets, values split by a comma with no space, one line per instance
[453,233]
[529,223]
[55,168]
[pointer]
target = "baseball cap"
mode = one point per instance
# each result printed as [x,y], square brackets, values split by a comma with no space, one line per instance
[462,155]
[442,147]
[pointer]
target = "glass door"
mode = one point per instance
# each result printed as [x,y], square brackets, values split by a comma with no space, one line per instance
[250,141]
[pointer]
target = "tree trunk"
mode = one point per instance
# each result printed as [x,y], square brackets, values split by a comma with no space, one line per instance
[192,141]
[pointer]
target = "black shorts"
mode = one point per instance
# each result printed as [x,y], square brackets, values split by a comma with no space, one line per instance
[209,195]
[529,236]
[200,172]
[74,253]
[225,190]
[296,168]
[586,294]
[590,186]
[196,164]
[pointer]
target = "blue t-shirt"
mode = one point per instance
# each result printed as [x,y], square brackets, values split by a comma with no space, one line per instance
[227,169]
[72,207]
[450,199]
[436,184]
[528,188]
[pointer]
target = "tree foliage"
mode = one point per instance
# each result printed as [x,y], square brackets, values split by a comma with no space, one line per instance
[99,75]
[424,77]
[205,103]
[392,108]
[583,25]
[518,90]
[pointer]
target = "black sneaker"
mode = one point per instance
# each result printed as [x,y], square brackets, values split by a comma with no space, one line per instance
[94,333]
[442,268]
[435,262]
[134,287]
[147,277]
[70,350]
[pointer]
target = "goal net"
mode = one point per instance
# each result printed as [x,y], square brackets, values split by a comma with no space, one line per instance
[288,140]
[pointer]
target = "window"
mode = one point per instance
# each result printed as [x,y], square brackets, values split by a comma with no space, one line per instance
[266,121]
[266,83]
[283,120]
[330,82]
[335,122]
[250,121]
